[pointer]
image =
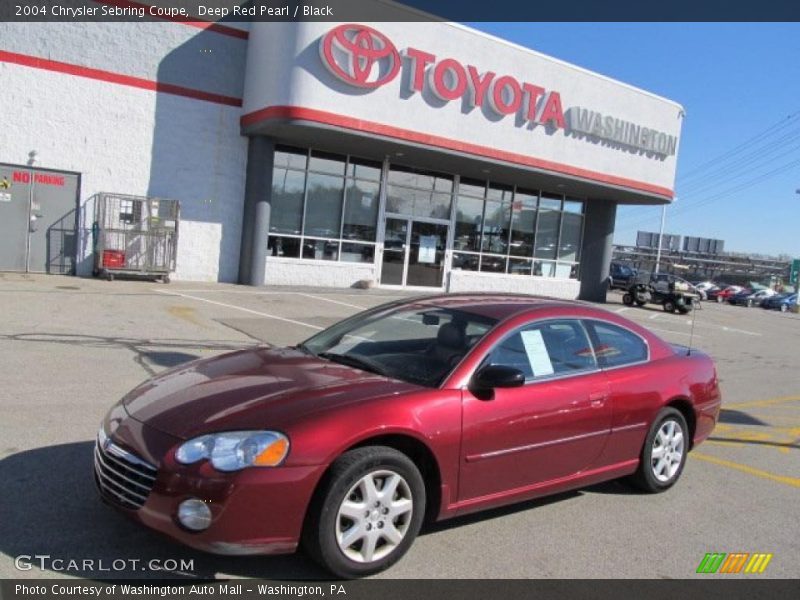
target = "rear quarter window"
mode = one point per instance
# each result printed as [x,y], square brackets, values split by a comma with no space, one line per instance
[615,346]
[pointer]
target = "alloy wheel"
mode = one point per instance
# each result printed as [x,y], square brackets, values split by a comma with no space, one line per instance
[667,452]
[374,516]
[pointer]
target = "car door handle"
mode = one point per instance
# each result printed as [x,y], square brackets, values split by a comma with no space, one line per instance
[597,399]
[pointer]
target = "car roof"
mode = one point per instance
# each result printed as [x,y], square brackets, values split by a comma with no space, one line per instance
[494,305]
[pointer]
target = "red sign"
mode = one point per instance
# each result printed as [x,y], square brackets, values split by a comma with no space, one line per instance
[40,178]
[364,57]
[352,52]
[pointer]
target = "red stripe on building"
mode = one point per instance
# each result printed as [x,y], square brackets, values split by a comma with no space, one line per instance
[319,116]
[190,21]
[117,78]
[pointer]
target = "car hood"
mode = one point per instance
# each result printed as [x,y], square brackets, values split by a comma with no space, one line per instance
[251,389]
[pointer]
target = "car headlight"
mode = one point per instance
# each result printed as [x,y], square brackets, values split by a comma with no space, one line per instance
[235,450]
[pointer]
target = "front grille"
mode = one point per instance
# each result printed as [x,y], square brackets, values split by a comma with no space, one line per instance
[123,478]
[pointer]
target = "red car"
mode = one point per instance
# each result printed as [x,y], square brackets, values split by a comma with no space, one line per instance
[422,409]
[725,294]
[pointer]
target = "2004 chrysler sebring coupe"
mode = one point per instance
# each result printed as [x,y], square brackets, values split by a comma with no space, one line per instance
[425,408]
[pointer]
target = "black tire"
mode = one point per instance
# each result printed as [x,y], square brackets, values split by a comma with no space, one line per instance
[627,299]
[641,302]
[683,310]
[669,306]
[645,477]
[341,484]
[95,272]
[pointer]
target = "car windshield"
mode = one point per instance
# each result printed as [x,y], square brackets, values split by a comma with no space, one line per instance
[419,344]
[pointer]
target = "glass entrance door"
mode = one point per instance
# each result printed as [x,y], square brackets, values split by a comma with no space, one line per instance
[413,253]
[395,245]
[426,254]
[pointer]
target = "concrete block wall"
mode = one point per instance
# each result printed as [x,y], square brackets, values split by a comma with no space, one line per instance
[470,281]
[80,95]
[283,271]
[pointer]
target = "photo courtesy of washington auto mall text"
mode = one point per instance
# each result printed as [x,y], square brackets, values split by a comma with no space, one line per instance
[112,591]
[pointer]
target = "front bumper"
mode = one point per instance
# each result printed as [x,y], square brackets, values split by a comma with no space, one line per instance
[254,511]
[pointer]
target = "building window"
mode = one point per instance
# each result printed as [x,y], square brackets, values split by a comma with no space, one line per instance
[324,206]
[419,193]
[502,229]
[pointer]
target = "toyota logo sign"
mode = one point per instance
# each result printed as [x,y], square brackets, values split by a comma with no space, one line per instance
[360,55]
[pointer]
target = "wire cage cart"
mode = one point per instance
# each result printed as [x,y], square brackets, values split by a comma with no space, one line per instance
[135,236]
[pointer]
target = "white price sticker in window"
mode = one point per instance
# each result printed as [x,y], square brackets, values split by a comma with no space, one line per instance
[538,357]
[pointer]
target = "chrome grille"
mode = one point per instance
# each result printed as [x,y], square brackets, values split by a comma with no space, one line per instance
[122,478]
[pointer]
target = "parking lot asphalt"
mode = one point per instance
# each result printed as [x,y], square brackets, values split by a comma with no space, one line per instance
[69,348]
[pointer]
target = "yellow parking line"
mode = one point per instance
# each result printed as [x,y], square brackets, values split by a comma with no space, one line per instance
[792,481]
[756,403]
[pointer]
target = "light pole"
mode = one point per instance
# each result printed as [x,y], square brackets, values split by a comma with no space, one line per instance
[660,237]
[796,281]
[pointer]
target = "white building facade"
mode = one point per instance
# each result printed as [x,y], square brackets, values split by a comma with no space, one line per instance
[420,154]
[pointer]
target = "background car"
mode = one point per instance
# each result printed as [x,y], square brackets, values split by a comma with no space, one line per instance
[748,297]
[725,293]
[703,287]
[788,303]
[418,409]
[782,302]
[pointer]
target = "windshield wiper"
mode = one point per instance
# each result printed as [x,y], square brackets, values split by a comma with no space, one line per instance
[351,360]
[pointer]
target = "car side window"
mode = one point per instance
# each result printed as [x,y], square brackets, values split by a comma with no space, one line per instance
[615,346]
[545,349]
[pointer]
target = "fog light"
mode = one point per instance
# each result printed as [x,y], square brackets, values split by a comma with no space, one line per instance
[194,514]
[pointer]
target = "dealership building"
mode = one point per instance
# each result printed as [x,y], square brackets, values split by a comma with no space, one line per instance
[422,155]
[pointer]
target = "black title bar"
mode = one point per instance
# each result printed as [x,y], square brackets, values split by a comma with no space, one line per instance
[383,10]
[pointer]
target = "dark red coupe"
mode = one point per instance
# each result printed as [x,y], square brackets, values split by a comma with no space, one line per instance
[422,409]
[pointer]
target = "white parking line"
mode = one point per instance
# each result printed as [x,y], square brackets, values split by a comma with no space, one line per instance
[743,331]
[622,310]
[329,300]
[675,332]
[272,293]
[655,316]
[223,291]
[234,307]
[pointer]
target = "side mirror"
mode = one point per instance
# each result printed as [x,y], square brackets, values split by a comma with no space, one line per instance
[497,376]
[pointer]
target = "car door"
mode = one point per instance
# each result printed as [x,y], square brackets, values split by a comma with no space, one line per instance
[553,426]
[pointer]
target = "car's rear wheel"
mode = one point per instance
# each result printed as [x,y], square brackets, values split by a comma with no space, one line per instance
[627,299]
[368,513]
[664,452]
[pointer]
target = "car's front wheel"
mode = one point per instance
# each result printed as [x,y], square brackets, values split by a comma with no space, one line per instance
[368,513]
[664,453]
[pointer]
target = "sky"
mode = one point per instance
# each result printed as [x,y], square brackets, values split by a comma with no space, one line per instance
[739,156]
